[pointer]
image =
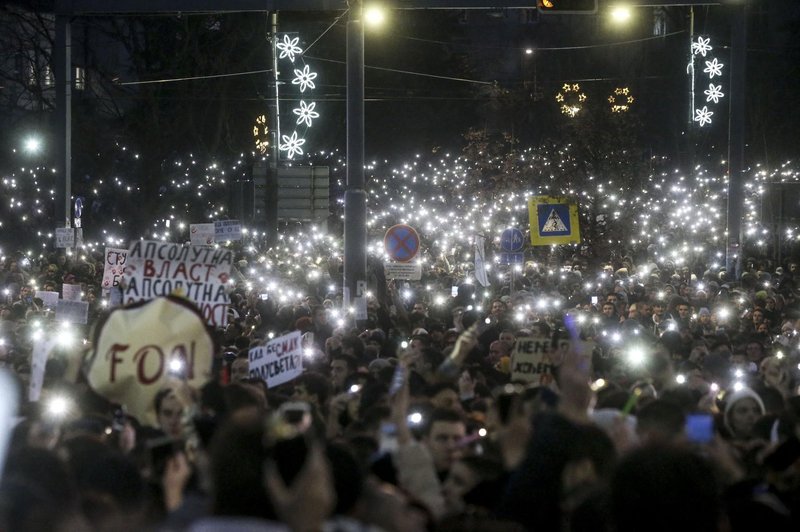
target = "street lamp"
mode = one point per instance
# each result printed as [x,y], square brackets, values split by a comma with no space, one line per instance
[32,145]
[374,15]
[620,14]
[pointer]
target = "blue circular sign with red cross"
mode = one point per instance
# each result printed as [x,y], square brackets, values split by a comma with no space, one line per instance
[401,242]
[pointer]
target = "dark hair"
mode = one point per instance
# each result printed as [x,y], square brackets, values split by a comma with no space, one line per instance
[160,396]
[316,384]
[446,415]
[350,360]
[666,488]
[664,417]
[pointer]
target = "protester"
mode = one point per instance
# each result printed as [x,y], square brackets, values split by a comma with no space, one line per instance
[638,396]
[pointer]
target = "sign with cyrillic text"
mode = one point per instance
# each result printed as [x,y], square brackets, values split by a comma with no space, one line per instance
[65,237]
[227,230]
[279,361]
[199,274]
[114,268]
[202,234]
[530,361]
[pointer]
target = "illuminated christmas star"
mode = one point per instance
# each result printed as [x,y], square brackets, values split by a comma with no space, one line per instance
[703,116]
[305,113]
[305,78]
[713,93]
[702,46]
[713,68]
[292,145]
[289,48]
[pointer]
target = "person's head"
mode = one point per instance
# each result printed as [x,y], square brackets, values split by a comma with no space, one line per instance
[497,350]
[633,312]
[420,308]
[169,412]
[508,337]
[754,351]
[419,342]
[758,316]
[498,308]
[658,308]
[342,366]
[644,308]
[444,395]
[319,315]
[665,488]
[742,409]
[659,421]
[464,476]
[240,367]
[612,298]
[443,434]
[683,310]
[609,310]
[312,388]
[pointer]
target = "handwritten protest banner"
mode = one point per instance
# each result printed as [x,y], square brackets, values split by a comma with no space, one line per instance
[279,361]
[202,234]
[144,348]
[114,267]
[71,292]
[197,273]
[49,299]
[227,230]
[72,311]
[530,361]
[65,237]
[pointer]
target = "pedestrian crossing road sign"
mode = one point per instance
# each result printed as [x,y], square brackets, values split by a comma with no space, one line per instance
[554,220]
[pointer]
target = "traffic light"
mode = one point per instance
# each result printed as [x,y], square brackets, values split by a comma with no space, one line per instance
[567,7]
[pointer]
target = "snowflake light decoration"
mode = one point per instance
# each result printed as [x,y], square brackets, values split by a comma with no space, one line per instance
[261,134]
[713,68]
[703,116]
[289,48]
[292,145]
[620,100]
[713,93]
[701,46]
[305,78]
[305,113]
[571,99]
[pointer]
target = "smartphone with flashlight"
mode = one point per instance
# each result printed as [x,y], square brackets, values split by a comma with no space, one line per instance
[700,428]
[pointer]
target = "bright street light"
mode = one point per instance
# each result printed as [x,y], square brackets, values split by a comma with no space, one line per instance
[32,145]
[620,14]
[374,15]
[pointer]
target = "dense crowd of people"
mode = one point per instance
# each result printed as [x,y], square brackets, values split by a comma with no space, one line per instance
[667,400]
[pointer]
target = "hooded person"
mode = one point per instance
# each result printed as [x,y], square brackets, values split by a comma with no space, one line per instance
[743,408]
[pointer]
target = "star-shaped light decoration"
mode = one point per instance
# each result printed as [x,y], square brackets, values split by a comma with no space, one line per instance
[306,113]
[570,97]
[702,46]
[703,116]
[292,145]
[289,48]
[620,100]
[305,78]
[713,68]
[713,93]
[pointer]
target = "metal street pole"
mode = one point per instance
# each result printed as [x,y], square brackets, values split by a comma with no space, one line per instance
[736,128]
[271,190]
[355,197]
[62,61]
